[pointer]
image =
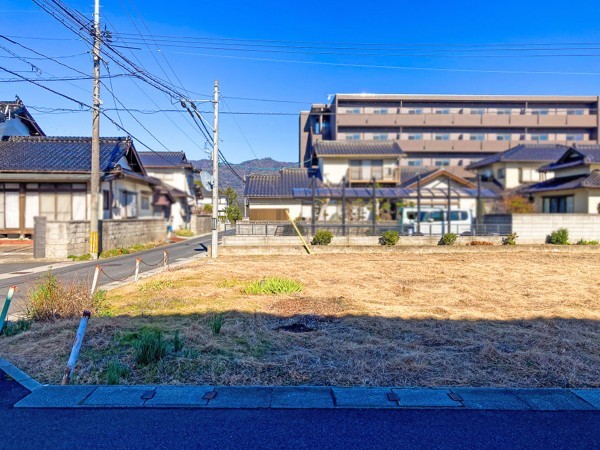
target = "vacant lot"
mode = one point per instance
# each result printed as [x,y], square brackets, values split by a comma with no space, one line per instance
[523,317]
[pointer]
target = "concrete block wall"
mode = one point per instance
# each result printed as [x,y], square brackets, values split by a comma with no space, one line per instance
[72,238]
[200,223]
[533,228]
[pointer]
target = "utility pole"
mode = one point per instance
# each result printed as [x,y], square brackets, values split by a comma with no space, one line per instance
[215,189]
[95,169]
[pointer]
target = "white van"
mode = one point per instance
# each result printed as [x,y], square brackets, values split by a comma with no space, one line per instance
[435,221]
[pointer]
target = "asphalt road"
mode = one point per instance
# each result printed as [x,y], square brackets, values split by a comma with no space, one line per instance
[239,428]
[115,268]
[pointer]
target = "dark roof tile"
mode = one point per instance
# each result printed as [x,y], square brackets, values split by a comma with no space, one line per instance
[279,185]
[350,148]
[164,160]
[524,153]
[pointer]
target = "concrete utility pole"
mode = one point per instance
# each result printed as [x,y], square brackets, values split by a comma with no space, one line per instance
[95,170]
[215,190]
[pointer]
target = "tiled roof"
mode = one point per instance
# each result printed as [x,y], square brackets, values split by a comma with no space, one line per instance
[591,180]
[350,148]
[16,108]
[58,154]
[279,185]
[524,153]
[397,192]
[164,160]
[580,155]
[408,175]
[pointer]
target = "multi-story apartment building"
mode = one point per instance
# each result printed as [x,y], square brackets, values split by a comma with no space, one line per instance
[450,130]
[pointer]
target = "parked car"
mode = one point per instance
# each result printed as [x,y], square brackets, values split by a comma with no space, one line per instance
[435,221]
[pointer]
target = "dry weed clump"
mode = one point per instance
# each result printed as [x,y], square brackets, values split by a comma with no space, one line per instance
[51,299]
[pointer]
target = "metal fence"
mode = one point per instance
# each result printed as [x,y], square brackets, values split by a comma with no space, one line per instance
[366,229]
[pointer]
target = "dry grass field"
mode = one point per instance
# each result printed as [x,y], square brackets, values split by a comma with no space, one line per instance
[524,317]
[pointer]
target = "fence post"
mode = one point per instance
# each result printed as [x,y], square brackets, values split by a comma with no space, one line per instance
[137,269]
[165,260]
[95,280]
[76,347]
[9,297]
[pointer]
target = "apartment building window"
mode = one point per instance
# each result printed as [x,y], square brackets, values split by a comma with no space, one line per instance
[442,162]
[353,137]
[540,112]
[442,111]
[415,111]
[415,162]
[415,137]
[575,137]
[380,111]
[539,137]
[477,111]
[477,137]
[558,205]
[441,136]
[503,137]
[504,112]
[353,111]
[575,112]
[380,137]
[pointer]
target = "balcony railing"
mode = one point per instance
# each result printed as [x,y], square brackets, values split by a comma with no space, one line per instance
[366,174]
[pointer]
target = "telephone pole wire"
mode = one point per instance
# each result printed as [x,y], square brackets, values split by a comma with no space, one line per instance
[95,170]
[215,189]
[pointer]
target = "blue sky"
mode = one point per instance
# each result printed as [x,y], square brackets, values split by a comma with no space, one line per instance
[268,72]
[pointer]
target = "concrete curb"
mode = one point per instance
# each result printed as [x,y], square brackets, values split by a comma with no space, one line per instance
[302,397]
[19,376]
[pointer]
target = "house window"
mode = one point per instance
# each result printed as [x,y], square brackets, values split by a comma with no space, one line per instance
[558,205]
[501,174]
[503,137]
[353,137]
[442,162]
[145,200]
[380,137]
[415,111]
[415,162]
[442,111]
[476,137]
[575,112]
[353,111]
[529,175]
[380,111]
[128,204]
[539,137]
[415,137]
[477,111]
[105,200]
[575,137]
[442,137]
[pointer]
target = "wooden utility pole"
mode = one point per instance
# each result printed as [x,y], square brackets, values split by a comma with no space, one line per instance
[95,169]
[215,189]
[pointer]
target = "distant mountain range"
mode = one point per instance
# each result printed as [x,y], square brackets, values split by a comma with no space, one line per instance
[261,166]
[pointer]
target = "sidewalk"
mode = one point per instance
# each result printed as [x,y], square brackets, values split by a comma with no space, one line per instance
[301,397]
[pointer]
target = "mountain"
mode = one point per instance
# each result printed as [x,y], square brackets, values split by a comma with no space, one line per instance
[262,166]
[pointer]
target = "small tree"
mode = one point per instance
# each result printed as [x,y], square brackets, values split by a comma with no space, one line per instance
[517,204]
[232,211]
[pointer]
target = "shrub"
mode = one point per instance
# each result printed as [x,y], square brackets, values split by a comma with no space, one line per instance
[584,242]
[150,347]
[51,299]
[511,239]
[85,257]
[322,237]
[184,232]
[480,243]
[14,328]
[448,239]
[216,323]
[390,237]
[177,342]
[115,371]
[558,237]
[274,285]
